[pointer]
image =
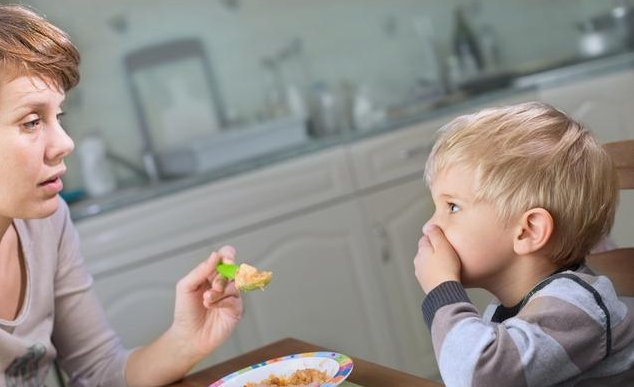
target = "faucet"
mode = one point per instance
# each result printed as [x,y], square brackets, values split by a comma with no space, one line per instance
[149,172]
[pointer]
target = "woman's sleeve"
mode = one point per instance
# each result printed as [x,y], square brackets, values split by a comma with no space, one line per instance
[89,351]
[551,340]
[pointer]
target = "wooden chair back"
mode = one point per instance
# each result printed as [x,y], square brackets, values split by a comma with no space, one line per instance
[618,264]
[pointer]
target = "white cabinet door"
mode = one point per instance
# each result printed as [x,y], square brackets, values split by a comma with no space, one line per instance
[139,302]
[325,286]
[396,216]
[604,103]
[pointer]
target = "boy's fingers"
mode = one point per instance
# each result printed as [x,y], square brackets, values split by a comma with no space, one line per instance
[437,238]
[424,243]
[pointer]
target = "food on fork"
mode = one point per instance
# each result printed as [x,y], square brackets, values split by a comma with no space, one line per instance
[250,278]
[246,276]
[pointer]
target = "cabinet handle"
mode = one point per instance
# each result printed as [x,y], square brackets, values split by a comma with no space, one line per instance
[410,153]
[384,242]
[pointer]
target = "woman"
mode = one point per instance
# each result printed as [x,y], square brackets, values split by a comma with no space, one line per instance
[48,309]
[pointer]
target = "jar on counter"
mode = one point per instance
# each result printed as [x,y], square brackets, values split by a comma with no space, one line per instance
[95,168]
[322,111]
[330,109]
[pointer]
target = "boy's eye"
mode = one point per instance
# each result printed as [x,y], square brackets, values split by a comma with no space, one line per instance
[453,207]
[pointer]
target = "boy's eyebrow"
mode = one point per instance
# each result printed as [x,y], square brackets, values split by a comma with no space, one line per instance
[449,195]
[453,196]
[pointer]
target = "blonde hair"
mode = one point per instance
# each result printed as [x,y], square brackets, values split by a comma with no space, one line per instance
[30,45]
[532,155]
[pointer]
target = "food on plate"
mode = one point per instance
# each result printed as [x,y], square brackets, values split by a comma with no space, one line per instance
[250,278]
[298,378]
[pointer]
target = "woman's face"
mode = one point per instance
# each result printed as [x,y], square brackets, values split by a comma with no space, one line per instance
[32,148]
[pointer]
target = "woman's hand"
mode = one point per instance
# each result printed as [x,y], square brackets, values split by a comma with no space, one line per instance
[436,260]
[207,309]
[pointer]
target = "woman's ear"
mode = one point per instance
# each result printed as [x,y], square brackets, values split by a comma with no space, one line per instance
[534,230]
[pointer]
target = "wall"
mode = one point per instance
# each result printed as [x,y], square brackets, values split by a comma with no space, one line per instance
[367,42]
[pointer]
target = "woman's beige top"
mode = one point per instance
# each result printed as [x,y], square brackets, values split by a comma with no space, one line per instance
[61,317]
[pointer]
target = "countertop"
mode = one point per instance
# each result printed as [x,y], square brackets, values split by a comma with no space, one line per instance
[491,88]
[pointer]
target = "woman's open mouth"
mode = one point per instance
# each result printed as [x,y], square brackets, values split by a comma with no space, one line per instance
[53,185]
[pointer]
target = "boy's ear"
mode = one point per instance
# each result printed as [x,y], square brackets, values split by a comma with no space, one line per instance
[534,230]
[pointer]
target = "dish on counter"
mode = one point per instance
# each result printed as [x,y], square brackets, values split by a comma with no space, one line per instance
[335,365]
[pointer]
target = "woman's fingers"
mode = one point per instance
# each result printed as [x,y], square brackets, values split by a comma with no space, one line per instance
[228,254]
[200,274]
[205,275]
[211,296]
[218,283]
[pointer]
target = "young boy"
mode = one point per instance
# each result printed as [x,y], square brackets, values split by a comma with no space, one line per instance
[522,193]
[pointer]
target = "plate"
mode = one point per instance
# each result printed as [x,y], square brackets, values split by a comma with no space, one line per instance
[336,365]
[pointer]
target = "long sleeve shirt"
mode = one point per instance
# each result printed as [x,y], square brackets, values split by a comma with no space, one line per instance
[60,317]
[570,330]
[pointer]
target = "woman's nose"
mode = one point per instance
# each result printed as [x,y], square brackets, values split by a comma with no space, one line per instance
[60,144]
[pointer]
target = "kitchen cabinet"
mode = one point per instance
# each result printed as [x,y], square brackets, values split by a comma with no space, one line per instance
[137,255]
[163,226]
[325,287]
[603,103]
[139,301]
[395,217]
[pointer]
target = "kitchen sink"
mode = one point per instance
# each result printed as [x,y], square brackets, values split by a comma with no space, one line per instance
[231,146]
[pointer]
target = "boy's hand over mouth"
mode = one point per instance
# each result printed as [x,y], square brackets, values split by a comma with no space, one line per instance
[436,260]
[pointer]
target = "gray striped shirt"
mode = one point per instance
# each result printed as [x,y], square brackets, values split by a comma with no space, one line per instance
[571,330]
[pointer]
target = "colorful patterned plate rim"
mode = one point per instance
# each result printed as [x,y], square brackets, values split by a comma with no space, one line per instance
[337,365]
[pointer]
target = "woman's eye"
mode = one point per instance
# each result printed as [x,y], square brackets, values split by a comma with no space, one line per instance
[453,208]
[32,125]
[60,116]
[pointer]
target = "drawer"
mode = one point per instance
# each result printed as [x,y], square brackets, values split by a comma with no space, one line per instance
[404,152]
[393,155]
[602,103]
[166,224]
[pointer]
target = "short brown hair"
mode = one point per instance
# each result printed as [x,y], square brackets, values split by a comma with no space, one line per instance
[532,155]
[30,45]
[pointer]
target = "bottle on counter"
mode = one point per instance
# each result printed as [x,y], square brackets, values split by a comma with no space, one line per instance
[466,46]
[95,167]
[322,110]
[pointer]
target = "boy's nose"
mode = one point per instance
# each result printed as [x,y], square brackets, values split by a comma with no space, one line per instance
[427,225]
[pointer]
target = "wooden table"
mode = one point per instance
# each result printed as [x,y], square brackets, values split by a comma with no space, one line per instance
[364,373]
